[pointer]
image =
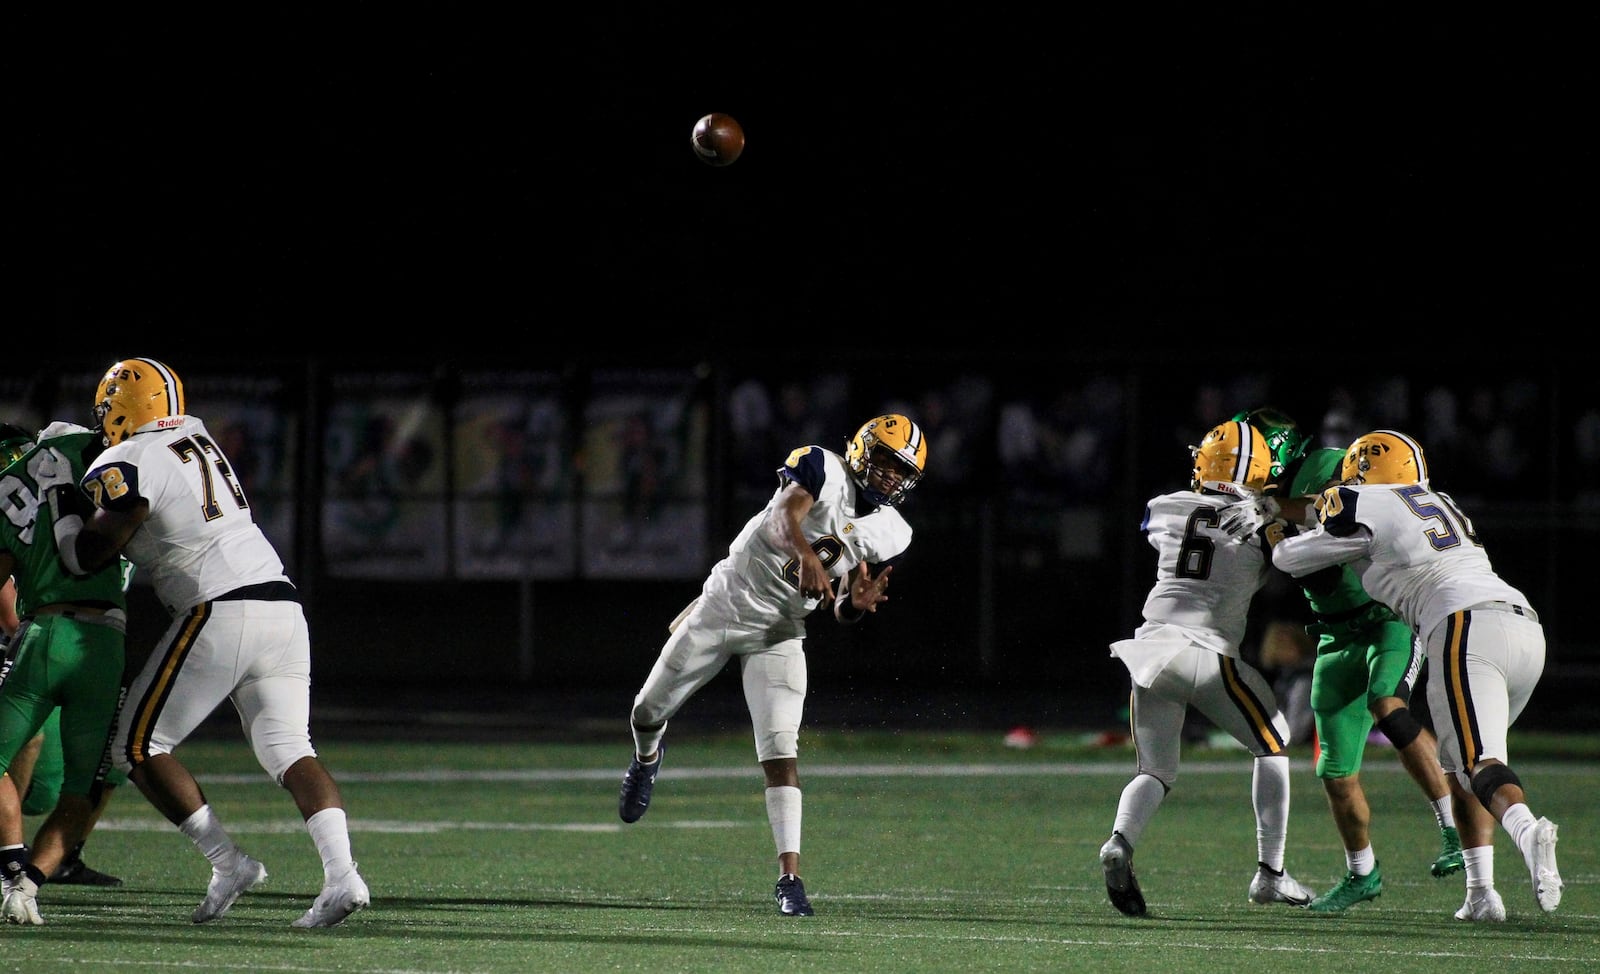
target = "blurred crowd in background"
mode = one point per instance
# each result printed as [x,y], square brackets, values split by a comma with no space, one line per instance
[530,502]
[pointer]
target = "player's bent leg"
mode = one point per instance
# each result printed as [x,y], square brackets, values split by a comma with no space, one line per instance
[36,774]
[66,826]
[311,786]
[168,785]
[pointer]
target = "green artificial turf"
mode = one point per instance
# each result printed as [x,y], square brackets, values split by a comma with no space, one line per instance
[922,852]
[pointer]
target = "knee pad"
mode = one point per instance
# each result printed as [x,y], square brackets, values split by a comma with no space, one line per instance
[772,745]
[1400,727]
[649,727]
[1491,779]
[277,756]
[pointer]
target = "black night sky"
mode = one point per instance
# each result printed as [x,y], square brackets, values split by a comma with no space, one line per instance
[951,175]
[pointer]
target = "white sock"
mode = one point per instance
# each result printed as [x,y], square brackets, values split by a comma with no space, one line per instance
[1362,861]
[783,812]
[1518,821]
[205,830]
[330,831]
[1137,806]
[648,741]
[1445,814]
[1480,867]
[1269,792]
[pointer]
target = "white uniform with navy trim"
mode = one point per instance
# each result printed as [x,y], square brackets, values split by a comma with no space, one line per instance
[1187,651]
[200,540]
[1419,554]
[750,605]
[200,547]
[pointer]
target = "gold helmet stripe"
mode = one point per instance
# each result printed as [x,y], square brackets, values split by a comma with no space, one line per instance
[1241,465]
[1416,451]
[169,382]
[914,438]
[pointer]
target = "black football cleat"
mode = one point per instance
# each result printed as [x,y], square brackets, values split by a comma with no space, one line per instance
[1122,886]
[73,871]
[637,785]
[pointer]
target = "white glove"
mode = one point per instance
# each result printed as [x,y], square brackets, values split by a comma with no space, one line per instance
[50,468]
[1243,518]
[22,903]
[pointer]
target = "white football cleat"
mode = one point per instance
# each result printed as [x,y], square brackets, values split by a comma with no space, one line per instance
[1278,887]
[339,898]
[1542,865]
[1483,906]
[226,887]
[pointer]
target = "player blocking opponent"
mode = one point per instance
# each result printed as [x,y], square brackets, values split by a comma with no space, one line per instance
[164,494]
[1366,665]
[67,655]
[1419,554]
[1186,653]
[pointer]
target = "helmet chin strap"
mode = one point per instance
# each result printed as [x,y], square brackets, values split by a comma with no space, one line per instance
[873,495]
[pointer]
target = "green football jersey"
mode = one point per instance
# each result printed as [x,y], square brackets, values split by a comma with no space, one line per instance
[27,530]
[1317,470]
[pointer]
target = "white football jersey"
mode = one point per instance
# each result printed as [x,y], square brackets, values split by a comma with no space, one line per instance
[1413,548]
[1204,581]
[200,540]
[760,583]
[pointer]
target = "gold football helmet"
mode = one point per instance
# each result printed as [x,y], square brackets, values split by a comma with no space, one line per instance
[887,455]
[1233,455]
[1384,457]
[14,442]
[134,392]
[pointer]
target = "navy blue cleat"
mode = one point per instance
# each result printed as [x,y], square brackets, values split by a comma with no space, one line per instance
[637,785]
[791,896]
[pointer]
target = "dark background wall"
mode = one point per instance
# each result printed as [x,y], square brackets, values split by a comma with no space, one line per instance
[1027,560]
[1108,228]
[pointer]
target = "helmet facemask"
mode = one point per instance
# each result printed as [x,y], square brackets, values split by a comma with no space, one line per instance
[887,457]
[889,476]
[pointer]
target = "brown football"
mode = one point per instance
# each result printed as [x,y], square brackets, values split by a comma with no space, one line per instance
[718,139]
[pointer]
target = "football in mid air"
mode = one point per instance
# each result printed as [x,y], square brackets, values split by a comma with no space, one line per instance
[717,139]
